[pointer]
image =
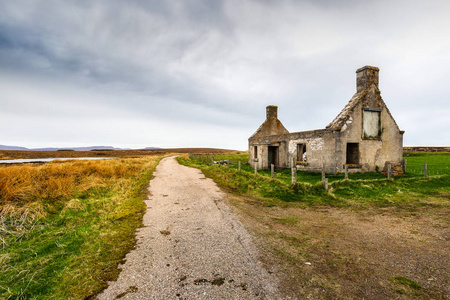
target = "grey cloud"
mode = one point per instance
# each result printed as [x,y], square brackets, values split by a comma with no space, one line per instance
[204,64]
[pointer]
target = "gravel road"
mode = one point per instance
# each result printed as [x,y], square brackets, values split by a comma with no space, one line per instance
[191,245]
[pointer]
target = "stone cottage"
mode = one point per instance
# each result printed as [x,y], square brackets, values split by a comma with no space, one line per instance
[363,136]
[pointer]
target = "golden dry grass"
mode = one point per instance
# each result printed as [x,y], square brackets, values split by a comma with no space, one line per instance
[77,218]
[21,184]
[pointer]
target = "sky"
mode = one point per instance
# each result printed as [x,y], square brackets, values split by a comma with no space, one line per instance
[200,73]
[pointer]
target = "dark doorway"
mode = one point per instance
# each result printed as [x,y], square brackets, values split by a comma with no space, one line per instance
[352,154]
[273,155]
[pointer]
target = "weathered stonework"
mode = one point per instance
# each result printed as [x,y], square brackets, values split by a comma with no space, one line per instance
[363,136]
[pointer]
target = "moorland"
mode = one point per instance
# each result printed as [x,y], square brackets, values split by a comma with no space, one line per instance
[65,226]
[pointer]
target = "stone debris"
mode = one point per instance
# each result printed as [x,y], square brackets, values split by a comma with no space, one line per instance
[396,168]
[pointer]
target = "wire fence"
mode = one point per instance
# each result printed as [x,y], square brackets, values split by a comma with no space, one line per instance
[211,159]
[427,169]
[410,169]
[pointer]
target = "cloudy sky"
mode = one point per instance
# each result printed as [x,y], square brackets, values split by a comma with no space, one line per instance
[199,73]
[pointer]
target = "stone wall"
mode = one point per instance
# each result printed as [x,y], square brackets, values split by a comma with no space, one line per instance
[364,132]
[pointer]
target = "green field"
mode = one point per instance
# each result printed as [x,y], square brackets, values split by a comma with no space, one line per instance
[363,188]
[437,164]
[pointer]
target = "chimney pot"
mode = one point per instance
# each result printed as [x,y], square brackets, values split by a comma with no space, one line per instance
[365,76]
[271,111]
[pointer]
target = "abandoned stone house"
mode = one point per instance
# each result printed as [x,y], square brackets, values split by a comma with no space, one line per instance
[363,136]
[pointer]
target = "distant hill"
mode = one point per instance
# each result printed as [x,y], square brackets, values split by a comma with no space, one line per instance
[17,148]
[3,147]
[78,148]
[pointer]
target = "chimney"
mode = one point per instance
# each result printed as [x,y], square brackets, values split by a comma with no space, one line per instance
[365,76]
[271,111]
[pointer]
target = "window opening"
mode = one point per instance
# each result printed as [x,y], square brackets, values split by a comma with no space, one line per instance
[301,152]
[372,123]
[255,151]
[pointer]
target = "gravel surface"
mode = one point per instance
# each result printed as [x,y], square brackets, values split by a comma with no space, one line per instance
[191,245]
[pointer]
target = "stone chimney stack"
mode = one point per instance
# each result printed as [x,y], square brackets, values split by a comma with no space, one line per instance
[271,111]
[365,76]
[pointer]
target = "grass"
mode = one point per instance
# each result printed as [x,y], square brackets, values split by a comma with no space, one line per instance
[407,282]
[348,242]
[65,226]
[364,189]
[438,163]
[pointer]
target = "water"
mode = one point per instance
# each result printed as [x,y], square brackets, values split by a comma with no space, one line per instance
[30,160]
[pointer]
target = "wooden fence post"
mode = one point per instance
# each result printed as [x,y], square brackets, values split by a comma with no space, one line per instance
[425,170]
[256,171]
[239,167]
[325,184]
[212,160]
[389,166]
[271,170]
[294,175]
[323,173]
[346,172]
[404,165]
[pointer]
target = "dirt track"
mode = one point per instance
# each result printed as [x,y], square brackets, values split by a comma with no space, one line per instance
[192,246]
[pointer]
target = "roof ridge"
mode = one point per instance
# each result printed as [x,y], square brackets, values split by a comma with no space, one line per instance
[343,116]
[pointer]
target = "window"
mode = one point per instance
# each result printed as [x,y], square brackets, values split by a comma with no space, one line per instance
[255,152]
[301,152]
[352,154]
[371,123]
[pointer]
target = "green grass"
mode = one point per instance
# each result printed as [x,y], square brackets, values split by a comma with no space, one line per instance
[438,163]
[407,282]
[73,247]
[362,189]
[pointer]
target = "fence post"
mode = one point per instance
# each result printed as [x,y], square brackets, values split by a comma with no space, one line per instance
[294,175]
[404,165]
[325,184]
[389,166]
[239,167]
[425,170]
[212,160]
[346,172]
[271,170]
[256,171]
[323,172]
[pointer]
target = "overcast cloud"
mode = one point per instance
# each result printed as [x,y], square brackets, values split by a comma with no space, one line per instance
[200,73]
